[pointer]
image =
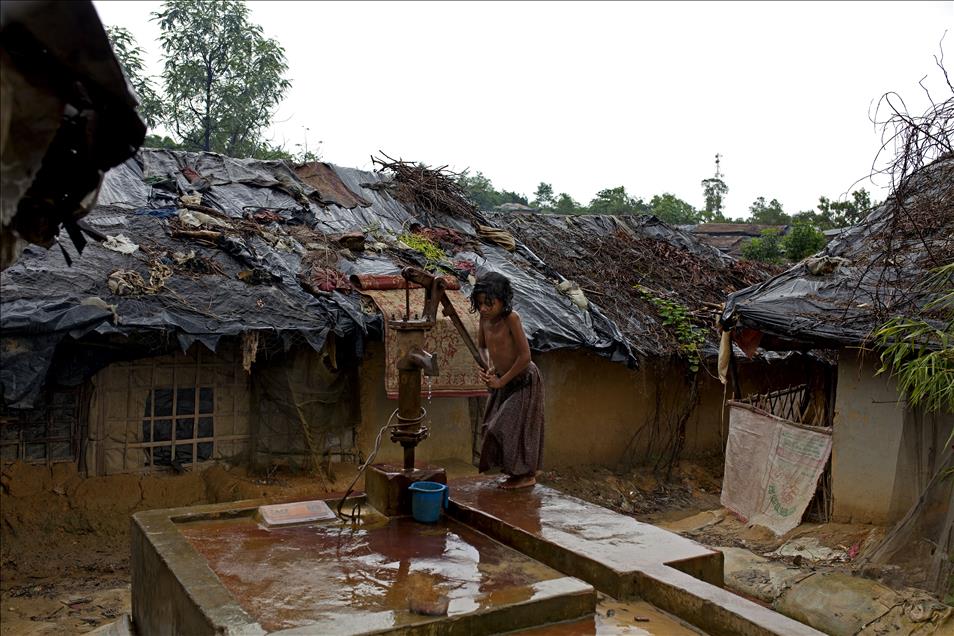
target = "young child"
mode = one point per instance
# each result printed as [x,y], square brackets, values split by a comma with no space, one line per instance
[513,421]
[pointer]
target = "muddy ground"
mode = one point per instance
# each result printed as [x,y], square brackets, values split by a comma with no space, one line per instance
[64,541]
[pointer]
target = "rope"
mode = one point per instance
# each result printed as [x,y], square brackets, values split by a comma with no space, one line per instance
[356,510]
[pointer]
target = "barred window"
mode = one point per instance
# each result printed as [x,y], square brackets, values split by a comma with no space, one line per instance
[45,434]
[172,412]
[178,426]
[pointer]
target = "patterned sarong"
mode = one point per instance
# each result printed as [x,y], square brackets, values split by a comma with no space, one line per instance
[513,426]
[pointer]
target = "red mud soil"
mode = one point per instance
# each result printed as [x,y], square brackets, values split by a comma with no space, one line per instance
[692,486]
[64,540]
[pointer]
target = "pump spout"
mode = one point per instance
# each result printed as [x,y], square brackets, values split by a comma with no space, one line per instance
[417,358]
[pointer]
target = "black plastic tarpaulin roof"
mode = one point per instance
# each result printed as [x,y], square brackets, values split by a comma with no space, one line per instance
[47,304]
[622,262]
[869,273]
[46,301]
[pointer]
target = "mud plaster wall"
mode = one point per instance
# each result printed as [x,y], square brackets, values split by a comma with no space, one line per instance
[597,412]
[883,453]
[38,502]
[448,418]
[601,412]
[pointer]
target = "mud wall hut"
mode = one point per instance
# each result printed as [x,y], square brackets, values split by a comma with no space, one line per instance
[213,317]
[885,452]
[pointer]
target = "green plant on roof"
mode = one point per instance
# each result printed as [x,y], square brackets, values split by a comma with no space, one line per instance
[676,316]
[431,252]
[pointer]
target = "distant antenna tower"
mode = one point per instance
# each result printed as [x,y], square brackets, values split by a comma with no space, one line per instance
[718,174]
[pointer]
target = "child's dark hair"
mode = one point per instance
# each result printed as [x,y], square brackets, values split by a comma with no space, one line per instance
[493,286]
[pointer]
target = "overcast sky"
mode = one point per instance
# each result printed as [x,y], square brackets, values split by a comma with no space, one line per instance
[592,95]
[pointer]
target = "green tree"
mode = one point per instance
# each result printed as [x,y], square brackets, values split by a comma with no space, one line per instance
[161,141]
[129,54]
[481,191]
[506,196]
[278,152]
[809,217]
[565,204]
[770,213]
[767,248]
[714,190]
[673,210]
[836,214]
[802,240]
[616,201]
[223,78]
[543,197]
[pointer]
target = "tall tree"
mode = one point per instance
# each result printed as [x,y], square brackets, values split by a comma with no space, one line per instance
[616,201]
[565,204]
[223,77]
[770,213]
[543,197]
[129,54]
[714,189]
[673,210]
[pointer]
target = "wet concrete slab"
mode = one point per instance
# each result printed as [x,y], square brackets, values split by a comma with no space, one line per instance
[607,547]
[382,576]
[620,556]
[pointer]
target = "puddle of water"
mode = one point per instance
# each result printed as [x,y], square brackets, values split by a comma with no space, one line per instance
[334,577]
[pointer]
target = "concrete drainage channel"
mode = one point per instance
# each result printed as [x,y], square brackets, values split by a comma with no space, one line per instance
[505,561]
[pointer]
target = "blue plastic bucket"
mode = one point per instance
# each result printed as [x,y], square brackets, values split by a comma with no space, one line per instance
[428,498]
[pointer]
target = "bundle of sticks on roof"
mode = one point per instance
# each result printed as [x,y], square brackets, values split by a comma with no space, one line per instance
[917,235]
[616,266]
[428,190]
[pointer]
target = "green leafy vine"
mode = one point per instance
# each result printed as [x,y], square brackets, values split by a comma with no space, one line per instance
[676,316]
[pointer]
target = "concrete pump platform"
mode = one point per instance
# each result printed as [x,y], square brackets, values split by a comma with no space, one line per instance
[501,561]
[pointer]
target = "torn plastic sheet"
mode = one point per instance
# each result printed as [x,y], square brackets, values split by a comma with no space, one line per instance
[25,362]
[210,341]
[43,299]
[551,320]
[204,308]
